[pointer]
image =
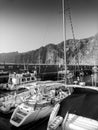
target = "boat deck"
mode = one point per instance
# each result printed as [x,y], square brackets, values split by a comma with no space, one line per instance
[83,104]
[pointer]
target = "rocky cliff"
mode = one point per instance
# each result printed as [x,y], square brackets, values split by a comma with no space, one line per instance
[82,51]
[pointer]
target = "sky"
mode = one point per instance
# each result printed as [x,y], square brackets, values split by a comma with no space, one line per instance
[29,24]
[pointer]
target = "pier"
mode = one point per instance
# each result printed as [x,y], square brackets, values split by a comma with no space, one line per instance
[42,67]
[45,71]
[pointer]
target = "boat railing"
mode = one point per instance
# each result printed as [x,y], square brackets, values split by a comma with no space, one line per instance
[80,86]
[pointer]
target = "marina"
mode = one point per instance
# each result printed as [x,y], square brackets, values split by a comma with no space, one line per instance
[79,104]
[27,100]
[51,86]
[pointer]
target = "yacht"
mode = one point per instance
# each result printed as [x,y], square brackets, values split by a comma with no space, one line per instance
[16,81]
[30,111]
[37,107]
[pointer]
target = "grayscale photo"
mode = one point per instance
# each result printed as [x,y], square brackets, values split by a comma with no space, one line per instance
[48,64]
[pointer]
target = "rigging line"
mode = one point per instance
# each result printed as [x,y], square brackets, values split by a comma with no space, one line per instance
[70,18]
[73,34]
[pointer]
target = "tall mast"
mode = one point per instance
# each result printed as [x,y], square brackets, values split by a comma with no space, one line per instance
[39,60]
[64,38]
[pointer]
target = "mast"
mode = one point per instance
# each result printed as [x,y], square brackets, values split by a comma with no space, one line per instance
[39,61]
[64,38]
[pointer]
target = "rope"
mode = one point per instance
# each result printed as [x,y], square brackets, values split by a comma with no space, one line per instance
[73,34]
[70,18]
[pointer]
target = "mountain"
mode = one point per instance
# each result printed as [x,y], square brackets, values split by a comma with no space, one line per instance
[82,51]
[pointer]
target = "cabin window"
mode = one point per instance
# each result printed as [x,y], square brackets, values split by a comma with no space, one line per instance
[28,79]
[23,80]
[32,78]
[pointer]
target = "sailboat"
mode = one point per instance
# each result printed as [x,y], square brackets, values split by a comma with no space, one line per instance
[39,105]
[79,111]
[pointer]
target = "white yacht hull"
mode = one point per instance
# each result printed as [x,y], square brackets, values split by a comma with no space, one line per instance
[36,108]
[31,116]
